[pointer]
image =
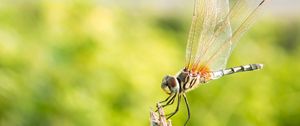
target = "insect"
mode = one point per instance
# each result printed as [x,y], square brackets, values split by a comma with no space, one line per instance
[216,27]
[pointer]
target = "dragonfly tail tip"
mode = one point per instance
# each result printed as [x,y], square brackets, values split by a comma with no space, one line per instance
[260,66]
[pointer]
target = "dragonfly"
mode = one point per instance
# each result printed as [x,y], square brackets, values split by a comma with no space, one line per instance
[217,26]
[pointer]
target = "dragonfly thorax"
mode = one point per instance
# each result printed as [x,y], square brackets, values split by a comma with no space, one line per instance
[190,80]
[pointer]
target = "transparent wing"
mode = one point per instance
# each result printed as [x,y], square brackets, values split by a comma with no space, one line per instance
[242,15]
[211,39]
[196,27]
[209,27]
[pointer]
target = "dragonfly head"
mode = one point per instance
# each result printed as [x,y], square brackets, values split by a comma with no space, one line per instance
[170,84]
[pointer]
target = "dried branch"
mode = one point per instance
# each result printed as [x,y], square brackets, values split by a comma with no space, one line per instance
[158,118]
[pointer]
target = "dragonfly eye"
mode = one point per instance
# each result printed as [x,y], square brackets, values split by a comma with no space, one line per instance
[170,84]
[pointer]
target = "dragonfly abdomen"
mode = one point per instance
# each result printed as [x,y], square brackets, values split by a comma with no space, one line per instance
[244,68]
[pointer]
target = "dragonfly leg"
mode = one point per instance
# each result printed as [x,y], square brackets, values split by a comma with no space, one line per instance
[168,100]
[171,101]
[188,109]
[177,108]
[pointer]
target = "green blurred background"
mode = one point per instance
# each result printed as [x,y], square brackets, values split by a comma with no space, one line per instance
[100,63]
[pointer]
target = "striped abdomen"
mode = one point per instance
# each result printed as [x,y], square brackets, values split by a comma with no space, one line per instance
[189,82]
[249,67]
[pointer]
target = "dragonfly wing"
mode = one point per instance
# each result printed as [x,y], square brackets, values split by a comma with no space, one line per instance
[195,31]
[242,15]
[209,27]
[218,31]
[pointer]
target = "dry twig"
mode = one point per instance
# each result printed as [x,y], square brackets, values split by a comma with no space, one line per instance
[158,118]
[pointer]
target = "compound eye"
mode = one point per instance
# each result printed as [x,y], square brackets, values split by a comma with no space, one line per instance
[170,84]
[164,85]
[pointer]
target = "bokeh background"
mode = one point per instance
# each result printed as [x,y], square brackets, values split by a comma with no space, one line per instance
[100,63]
